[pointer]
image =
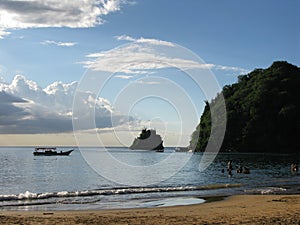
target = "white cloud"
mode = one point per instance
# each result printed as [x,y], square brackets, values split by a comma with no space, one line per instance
[154,42]
[231,68]
[3,33]
[125,38]
[142,55]
[59,43]
[125,77]
[144,40]
[22,14]
[146,82]
[25,107]
[131,59]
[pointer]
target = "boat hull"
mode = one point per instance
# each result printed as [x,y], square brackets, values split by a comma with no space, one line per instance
[54,153]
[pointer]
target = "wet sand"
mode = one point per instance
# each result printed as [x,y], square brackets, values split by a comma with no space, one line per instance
[240,209]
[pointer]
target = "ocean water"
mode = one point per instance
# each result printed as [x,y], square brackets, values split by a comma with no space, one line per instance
[30,182]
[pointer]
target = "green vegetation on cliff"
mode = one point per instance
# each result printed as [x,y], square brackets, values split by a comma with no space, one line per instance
[263,112]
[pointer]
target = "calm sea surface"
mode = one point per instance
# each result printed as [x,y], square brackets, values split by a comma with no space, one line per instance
[30,182]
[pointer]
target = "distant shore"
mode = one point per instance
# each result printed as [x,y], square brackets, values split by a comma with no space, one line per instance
[239,209]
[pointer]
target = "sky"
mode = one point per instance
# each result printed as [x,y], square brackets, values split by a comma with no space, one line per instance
[114,66]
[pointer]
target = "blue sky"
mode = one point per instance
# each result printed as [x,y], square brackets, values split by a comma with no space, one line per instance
[246,34]
[234,36]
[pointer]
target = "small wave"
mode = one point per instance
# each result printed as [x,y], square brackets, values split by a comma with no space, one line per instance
[115,191]
[32,196]
[266,190]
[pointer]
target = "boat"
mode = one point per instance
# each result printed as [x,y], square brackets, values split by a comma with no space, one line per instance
[47,151]
[148,140]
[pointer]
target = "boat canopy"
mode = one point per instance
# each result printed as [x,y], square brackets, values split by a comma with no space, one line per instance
[45,148]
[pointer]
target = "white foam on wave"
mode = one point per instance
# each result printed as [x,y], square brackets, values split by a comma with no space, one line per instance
[116,191]
[266,190]
[27,195]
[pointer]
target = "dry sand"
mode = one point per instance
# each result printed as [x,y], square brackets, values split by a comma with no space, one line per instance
[241,209]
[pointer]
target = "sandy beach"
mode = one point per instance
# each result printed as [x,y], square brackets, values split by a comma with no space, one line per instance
[240,209]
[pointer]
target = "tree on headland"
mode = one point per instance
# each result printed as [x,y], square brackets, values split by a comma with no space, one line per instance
[263,112]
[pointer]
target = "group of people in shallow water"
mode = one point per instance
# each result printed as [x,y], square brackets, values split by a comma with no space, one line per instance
[246,170]
[240,169]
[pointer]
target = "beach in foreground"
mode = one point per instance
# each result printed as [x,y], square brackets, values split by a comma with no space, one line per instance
[239,209]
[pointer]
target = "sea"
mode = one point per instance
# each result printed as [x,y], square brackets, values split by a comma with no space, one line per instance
[29,182]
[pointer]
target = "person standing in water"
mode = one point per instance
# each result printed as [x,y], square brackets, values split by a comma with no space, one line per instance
[229,168]
[294,168]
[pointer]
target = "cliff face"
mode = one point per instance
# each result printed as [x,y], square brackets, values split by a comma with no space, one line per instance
[263,112]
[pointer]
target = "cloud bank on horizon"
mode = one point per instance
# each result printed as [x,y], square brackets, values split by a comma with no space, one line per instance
[23,14]
[27,108]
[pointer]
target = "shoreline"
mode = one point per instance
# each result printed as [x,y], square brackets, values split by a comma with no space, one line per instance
[236,209]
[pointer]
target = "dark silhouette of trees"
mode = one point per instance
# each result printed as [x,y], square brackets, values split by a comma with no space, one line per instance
[263,112]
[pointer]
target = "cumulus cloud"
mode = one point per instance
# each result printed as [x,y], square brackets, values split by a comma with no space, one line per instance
[21,14]
[25,107]
[9,112]
[142,55]
[59,43]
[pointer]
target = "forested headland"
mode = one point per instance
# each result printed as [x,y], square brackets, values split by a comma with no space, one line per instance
[263,112]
